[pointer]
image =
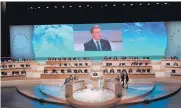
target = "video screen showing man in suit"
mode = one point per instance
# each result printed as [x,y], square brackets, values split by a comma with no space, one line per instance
[97,43]
[97,38]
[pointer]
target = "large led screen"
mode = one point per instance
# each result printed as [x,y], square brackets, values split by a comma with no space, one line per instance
[89,40]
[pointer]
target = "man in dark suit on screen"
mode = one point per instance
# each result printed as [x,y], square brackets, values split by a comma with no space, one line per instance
[96,43]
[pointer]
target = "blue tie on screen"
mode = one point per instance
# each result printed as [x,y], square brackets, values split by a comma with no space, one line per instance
[98,46]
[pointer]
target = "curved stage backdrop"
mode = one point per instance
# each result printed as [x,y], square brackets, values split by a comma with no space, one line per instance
[68,40]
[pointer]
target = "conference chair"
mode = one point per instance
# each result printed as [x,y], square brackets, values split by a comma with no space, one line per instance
[75,71]
[130,70]
[76,64]
[22,65]
[45,71]
[85,71]
[27,65]
[62,71]
[115,58]
[54,71]
[118,70]
[173,71]
[10,66]
[4,73]
[148,70]
[143,70]
[86,64]
[80,64]
[112,71]
[146,64]
[65,64]
[140,64]
[175,64]
[123,64]
[69,71]
[79,71]
[23,72]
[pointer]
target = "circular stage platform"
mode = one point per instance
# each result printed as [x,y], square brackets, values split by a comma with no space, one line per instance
[136,93]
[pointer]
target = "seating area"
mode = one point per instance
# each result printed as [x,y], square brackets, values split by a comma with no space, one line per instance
[67,66]
[172,65]
[132,65]
[15,67]
[124,58]
[67,58]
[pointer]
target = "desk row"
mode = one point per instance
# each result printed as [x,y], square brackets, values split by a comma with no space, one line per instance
[68,71]
[127,70]
[13,73]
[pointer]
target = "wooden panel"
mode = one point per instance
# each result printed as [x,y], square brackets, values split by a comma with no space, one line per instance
[130,75]
[18,77]
[15,69]
[62,76]
[49,62]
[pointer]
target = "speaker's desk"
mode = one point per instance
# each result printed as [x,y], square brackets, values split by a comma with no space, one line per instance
[113,86]
[73,86]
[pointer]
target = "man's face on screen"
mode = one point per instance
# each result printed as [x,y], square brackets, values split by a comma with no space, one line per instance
[96,33]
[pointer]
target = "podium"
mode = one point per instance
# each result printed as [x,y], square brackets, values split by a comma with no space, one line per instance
[113,86]
[73,86]
[94,81]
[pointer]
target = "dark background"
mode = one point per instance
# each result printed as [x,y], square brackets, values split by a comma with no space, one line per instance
[21,13]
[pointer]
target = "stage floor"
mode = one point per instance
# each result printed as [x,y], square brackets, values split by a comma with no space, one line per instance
[161,90]
[134,90]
